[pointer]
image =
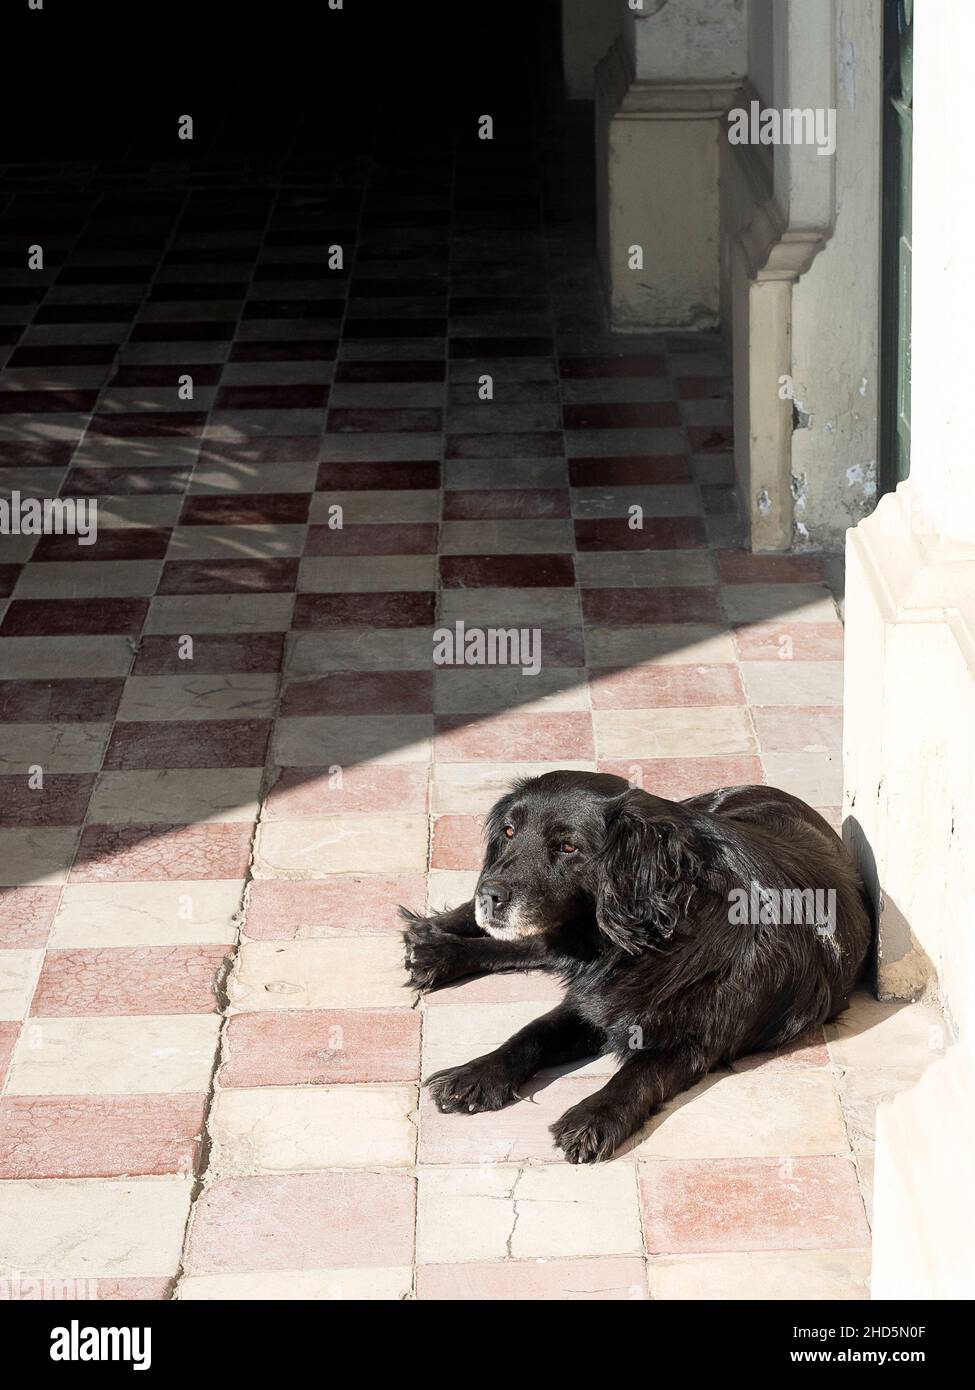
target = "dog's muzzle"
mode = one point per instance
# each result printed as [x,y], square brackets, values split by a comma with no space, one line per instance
[490,902]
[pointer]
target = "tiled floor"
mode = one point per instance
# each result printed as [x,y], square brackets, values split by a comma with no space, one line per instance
[224,718]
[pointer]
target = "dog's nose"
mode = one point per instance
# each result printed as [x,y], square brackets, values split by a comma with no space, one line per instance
[493,894]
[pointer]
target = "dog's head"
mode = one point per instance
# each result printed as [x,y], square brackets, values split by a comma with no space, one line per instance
[570,843]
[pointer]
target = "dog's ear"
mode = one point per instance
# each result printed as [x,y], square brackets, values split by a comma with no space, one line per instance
[647,872]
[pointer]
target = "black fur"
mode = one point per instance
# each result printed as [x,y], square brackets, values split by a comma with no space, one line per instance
[628,897]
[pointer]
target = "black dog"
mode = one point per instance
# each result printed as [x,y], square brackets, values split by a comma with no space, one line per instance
[674,926]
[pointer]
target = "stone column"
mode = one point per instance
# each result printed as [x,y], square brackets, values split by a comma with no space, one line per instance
[661,92]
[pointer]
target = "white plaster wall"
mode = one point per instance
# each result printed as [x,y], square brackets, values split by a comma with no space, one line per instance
[910,692]
[835,324]
[909,704]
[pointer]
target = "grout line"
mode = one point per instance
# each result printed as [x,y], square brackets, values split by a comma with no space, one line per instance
[202,1171]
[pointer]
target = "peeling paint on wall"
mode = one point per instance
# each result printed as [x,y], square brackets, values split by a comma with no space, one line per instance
[846,66]
[863,476]
[764,502]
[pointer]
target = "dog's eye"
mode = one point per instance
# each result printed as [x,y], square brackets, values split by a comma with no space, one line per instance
[509,832]
[566,848]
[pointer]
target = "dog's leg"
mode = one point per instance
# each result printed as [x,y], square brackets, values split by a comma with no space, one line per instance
[454,921]
[595,1128]
[434,957]
[491,1081]
[449,945]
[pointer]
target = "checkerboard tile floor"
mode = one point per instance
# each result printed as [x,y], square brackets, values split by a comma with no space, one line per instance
[227,754]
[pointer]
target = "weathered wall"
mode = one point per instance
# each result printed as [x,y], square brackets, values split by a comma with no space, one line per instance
[695,40]
[835,318]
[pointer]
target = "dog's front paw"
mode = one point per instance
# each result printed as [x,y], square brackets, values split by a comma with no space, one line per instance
[588,1133]
[478,1085]
[432,957]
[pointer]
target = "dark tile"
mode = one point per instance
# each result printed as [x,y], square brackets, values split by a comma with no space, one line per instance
[106,275]
[503,504]
[617,364]
[394,328]
[636,607]
[362,288]
[296,350]
[85,313]
[186,743]
[93,699]
[61,800]
[66,355]
[122,543]
[182,332]
[347,421]
[167,374]
[406,538]
[360,692]
[34,453]
[272,398]
[213,654]
[170,291]
[47,402]
[150,424]
[259,309]
[274,576]
[295,270]
[271,448]
[534,444]
[109,480]
[637,470]
[657,533]
[386,476]
[506,571]
[467,348]
[645,415]
[77,617]
[390,371]
[254,509]
[324,611]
